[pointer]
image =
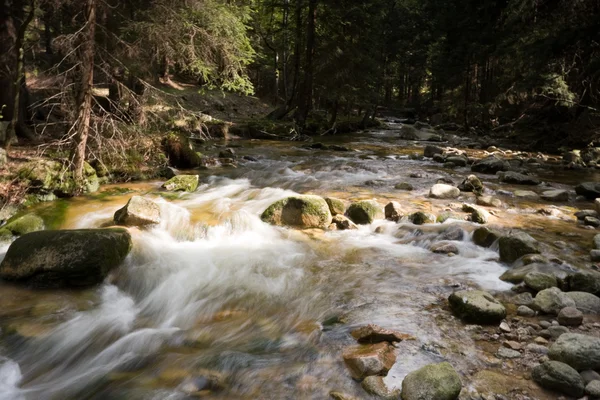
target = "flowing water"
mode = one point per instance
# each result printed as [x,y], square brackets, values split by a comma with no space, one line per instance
[213,291]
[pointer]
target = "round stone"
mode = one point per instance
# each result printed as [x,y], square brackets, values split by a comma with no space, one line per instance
[570,316]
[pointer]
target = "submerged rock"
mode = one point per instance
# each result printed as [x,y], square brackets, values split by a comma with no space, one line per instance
[138,212]
[560,377]
[182,183]
[342,223]
[471,184]
[443,191]
[476,306]
[516,246]
[368,360]
[518,179]
[376,334]
[579,351]
[365,212]
[551,301]
[80,257]
[444,248]
[336,206]
[25,224]
[432,382]
[303,211]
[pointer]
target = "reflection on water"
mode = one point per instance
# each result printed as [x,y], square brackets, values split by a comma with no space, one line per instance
[212,288]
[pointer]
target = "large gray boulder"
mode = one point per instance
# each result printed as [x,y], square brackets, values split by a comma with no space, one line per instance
[365,212]
[80,257]
[476,306]
[579,351]
[432,382]
[560,377]
[303,211]
[585,302]
[138,212]
[515,246]
[551,301]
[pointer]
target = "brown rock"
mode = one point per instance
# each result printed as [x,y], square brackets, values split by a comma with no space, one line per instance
[376,334]
[369,360]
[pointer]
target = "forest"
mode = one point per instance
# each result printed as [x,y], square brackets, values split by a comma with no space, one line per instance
[299,199]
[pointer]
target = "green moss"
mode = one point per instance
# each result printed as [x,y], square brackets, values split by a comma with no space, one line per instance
[420,218]
[272,214]
[53,213]
[365,212]
[24,224]
[54,177]
[336,206]
[299,211]
[183,183]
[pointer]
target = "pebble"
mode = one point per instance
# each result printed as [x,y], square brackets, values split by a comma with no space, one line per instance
[511,344]
[545,324]
[505,327]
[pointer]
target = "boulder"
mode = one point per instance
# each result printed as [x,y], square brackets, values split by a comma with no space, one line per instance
[579,351]
[375,385]
[587,303]
[490,165]
[485,237]
[342,223]
[476,306]
[592,389]
[585,281]
[560,377]
[570,316]
[25,224]
[303,211]
[54,177]
[80,257]
[538,281]
[556,196]
[182,183]
[376,334]
[431,150]
[369,360]
[365,212]
[443,191]
[517,179]
[393,211]
[516,246]
[420,218]
[432,382]
[336,206]
[551,301]
[471,184]
[178,150]
[589,190]
[138,212]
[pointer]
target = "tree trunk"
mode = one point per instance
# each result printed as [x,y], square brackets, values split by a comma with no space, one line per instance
[306,98]
[86,68]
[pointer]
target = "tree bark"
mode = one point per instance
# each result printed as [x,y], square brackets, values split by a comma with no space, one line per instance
[306,98]
[86,68]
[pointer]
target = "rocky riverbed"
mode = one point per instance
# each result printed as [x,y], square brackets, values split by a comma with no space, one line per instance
[362,267]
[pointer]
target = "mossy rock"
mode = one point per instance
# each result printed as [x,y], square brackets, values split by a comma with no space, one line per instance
[476,306]
[336,206]
[420,218]
[54,177]
[66,258]
[25,224]
[432,382]
[305,211]
[365,212]
[179,151]
[485,237]
[182,183]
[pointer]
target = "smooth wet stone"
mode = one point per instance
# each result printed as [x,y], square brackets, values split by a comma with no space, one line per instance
[302,211]
[393,211]
[376,334]
[592,221]
[25,224]
[518,179]
[65,258]
[580,215]
[585,281]
[506,353]
[138,212]
[476,306]
[420,218]
[336,206]
[365,212]
[515,246]
[182,183]
[585,302]
[538,281]
[376,386]
[579,351]
[490,165]
[444,248]
[589,375]
[485,237]
[368,360]
[590,190]
[570,316]
[443,191]
[342,223]
[555,195]
[404,186]
[471,184]
[593,389]
[559,377]
[551,301]
[525,311]
[432,382]
[488,201]
[453,232]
